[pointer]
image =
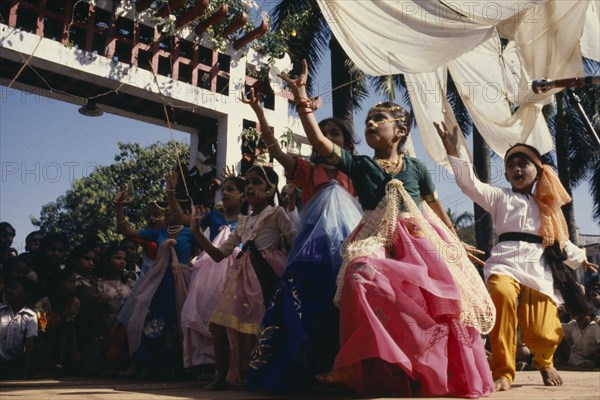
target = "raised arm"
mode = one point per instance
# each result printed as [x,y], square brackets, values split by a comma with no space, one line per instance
[287,161]
[449,139]
[197,215]
[178,216]
[319,142]
[483,194]
[119,200]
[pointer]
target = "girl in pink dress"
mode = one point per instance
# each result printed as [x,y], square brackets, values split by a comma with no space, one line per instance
[251,278]
[412,306]
[208,277]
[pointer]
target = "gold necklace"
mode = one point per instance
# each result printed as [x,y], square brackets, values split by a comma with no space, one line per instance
[174,230]
[385,164]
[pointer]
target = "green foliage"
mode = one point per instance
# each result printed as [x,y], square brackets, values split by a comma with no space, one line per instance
[275,43]
[464,224]
[312,34]
[85,210]
[250,133]
[167,25]
[467,234]
[286,138]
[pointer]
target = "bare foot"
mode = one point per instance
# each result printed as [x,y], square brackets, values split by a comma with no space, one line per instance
[501,384]
[336,377]
[551,377]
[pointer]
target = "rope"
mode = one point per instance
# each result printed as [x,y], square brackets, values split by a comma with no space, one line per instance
[339,87]
[187,192]
[22,68]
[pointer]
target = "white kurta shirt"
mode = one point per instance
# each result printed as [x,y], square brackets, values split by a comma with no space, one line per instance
[514,212]
[14,330]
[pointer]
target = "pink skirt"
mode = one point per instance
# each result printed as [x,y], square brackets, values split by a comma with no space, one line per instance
[400,330]
[203,296]
[241,306]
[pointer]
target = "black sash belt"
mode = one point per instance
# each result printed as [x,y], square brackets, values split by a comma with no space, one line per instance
[562,275]
[520,237]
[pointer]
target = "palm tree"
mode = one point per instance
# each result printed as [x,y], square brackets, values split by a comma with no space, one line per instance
[484,226]
[312,38]
[348,85]
[460,220]
[577,153]
[464,225]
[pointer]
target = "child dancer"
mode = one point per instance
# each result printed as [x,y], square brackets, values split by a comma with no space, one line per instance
[251,278]
[299,337]
[155,304]
[517,275]
[412,306]
[208,277]
[155,220]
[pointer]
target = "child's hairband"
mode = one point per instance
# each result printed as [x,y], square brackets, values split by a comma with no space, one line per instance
[387,121]
[379,107]
[266,176]
[527,152]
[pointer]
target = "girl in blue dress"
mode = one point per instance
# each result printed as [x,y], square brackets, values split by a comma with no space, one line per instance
[299,336]
[153,328]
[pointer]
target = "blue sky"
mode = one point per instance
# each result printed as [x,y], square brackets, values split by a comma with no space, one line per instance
[46,143]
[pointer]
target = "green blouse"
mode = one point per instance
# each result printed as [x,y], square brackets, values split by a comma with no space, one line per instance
[370,179]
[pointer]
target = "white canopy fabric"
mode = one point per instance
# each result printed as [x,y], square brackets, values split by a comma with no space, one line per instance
[425,39]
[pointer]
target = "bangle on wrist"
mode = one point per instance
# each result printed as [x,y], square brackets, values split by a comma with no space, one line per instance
[170,190]
[305,111]
[121,221]
[302,102]
[272,144]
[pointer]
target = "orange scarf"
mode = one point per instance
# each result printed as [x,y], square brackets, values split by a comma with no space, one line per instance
[550,196]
